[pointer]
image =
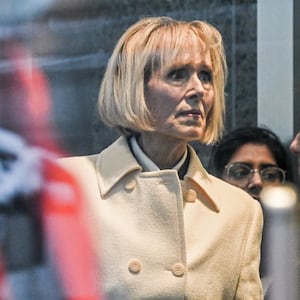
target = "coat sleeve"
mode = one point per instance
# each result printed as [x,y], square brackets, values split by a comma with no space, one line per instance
[249,285]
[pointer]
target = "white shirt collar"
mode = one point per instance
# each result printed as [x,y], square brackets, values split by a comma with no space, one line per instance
[146,163]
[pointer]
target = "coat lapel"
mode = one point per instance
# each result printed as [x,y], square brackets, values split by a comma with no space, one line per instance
[199,179]
[117,161]
[114,163]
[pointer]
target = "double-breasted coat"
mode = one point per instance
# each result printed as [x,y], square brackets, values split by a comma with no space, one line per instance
[159,237]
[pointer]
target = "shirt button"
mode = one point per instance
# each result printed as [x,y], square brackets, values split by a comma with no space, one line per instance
[130,185]
[190,195]
[178,269]
[135,266]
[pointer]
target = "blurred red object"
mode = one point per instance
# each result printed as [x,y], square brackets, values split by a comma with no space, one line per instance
[67,236]
[25,110]
[25,98]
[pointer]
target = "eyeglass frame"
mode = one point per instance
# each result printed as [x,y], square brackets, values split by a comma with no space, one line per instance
[252,171]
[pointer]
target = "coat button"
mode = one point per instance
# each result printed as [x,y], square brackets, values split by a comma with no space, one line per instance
[190,195]
[178,269]
[130,185]
[135,266]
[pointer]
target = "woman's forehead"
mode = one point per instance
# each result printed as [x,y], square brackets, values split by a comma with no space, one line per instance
[193,54]
[183,48]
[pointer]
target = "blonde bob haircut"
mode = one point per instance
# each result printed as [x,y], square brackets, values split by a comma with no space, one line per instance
[143,49]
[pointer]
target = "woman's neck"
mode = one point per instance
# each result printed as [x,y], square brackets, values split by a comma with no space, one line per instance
[163,151]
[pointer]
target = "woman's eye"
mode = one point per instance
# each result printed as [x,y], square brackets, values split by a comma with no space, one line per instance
[177,75]
[205,77]
[239,173]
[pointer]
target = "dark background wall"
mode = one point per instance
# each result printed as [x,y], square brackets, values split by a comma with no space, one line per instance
[72,41]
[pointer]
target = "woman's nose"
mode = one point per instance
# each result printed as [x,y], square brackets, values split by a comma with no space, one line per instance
[256,179]
[255,185]
[196,88]
[197,83]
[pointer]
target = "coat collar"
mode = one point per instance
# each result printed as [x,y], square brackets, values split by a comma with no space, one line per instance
[114,163]
[117,161]
[198,178]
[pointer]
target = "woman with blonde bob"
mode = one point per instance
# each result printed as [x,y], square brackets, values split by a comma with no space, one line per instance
[144,49]
[162,227]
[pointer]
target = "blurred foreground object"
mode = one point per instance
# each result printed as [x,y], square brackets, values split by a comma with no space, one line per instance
[41,225]
[281,234]
[20,182]
[45,250]
[17,160]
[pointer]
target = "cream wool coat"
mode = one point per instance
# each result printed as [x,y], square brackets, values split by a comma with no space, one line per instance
[157,237]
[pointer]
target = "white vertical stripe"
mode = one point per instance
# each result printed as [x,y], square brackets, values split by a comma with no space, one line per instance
[275,66]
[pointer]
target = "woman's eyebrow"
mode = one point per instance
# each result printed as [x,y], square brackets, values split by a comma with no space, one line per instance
[261,166]
[268,165]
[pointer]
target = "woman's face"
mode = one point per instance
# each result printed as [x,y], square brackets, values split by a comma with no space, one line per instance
[181,94]
[260,160]
[295,148]
[295,144]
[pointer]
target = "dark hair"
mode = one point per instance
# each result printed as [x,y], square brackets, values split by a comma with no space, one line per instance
[232,141]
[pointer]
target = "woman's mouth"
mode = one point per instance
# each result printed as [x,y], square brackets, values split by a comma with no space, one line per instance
[193,113]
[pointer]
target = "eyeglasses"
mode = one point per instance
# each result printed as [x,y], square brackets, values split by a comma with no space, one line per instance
[242,174]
